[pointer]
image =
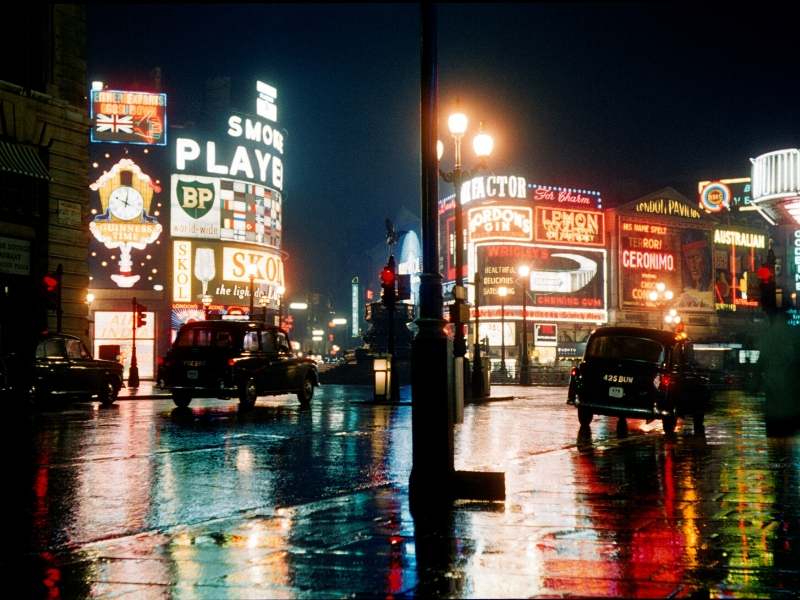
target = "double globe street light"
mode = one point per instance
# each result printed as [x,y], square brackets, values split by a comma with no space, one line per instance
[661,296]
[482,144]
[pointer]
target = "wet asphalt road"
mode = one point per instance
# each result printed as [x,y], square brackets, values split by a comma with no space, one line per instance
[144,501]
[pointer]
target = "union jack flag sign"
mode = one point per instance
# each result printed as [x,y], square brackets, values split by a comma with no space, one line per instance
[115,123]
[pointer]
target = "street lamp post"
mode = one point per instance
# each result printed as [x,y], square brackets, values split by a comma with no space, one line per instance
[251,273]
[281,291]
[206,303]
[503,292]
[524,374]
[482,144]
[660,297]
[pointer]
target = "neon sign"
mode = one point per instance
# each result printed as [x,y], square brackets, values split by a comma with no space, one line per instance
[500,223]
[562,195]
[668,207]
[128,117]
[729,237]
[493,186]
[796,259]
[715,196]
[570,226]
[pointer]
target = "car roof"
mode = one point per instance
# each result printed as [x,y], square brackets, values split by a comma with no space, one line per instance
[50,336]
[221,324]
[659,335]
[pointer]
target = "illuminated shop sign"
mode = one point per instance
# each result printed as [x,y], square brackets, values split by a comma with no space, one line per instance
[560,277]
[493,186]
[667,207]
[737,256]
[129,117]
[500,223]
[545,334]
[776,175]
[115,328]
[565,196]
[252,152]
[127,219]
[560,225]
[651,253]
[222,272]
[15,256]
[740,238]
[355,318]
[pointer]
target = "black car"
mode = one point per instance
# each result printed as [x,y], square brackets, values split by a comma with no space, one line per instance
[235,359]
[60,367]
[639,373]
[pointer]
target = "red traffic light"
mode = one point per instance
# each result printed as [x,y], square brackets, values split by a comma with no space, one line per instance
[387,277]
[764,273]
[50,283]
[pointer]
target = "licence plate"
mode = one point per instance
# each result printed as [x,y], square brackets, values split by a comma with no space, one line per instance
[191,374]
[616,392]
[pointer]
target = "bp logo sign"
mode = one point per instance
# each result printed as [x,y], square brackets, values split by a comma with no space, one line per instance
[195,198]
[195,211]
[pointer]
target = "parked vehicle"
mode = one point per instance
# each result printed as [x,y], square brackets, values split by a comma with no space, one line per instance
[639,373]
[60,367]
[235,359]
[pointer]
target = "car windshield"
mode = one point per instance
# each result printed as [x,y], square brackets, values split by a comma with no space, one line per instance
[623,347]
[204,337]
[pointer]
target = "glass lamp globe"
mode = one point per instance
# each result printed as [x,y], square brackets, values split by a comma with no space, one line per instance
[483,144]
[439,149]
[524,270]
[661,286]
[457,123]
[668,295]
[502,291]
[653,296]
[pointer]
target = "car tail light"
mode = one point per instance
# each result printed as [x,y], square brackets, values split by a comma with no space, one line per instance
[231,362]
[662,382]
[160,361]
[573,372]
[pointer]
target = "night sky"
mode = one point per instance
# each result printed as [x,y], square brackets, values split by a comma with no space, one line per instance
[622,98]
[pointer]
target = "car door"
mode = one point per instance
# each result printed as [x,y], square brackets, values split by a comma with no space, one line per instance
[275,373]
[288,362]
[51,367]
[81,368]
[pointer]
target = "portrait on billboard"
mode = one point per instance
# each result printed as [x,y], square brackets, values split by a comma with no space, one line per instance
[696,274]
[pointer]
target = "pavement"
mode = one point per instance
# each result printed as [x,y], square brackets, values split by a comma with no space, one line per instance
[143,500]
[147,390]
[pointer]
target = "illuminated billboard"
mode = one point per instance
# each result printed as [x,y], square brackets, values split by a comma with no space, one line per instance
[566,283]
[220,270]
[125,218]
[738,253]
[724,194]
[565,197]
[122,117]
[569,226]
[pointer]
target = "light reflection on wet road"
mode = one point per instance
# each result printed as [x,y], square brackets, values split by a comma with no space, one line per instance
[147,501]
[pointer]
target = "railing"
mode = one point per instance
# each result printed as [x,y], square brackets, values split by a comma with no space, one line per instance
[538,375]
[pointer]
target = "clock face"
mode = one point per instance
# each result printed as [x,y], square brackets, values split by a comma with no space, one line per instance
[125,203]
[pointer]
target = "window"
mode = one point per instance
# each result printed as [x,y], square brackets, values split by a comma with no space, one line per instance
[625,348]
[251,341]
[51,349]
[268,341]
[197,336]
[283,343]
[75,349]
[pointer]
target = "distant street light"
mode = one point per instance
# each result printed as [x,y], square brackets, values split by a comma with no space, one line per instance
[661,296]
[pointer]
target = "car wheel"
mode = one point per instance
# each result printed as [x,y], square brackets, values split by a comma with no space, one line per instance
[585,417]
[248,394]
[306,392]
[108,393]
[181,400]
[668,423]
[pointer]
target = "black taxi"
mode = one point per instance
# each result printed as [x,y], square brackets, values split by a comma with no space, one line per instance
[57,367]
[639,373]
[235,359]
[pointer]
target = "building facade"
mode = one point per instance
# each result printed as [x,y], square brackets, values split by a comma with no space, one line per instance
[44,127]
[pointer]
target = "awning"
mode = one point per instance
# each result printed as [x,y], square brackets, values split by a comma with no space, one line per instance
[22,160]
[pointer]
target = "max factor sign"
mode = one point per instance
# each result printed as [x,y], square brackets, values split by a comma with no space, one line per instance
[493,186]
[257,156]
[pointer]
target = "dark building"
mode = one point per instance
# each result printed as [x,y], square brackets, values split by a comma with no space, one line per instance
[44,192]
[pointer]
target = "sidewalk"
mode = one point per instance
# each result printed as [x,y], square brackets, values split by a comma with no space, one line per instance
[147,390]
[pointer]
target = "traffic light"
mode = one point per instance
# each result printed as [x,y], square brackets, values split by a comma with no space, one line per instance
[50,289]
[141,315]
[766,283]
[388,281]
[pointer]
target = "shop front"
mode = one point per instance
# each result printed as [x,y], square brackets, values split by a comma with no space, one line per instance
[558,235]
